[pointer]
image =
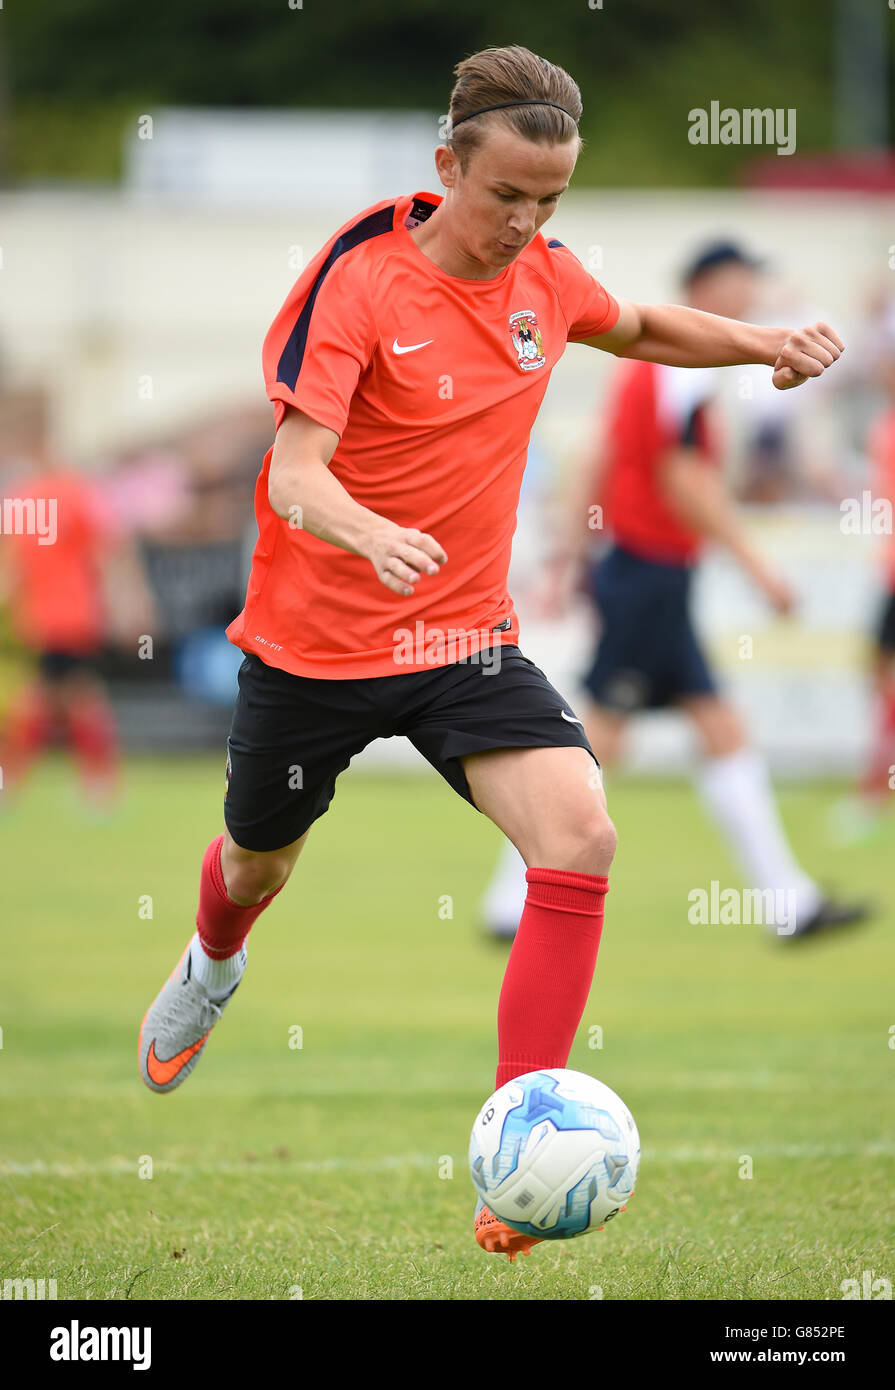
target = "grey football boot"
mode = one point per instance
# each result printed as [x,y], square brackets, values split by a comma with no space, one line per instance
[175,1029]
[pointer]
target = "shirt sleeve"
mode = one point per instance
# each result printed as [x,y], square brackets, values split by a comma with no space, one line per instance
[683,395]
[589,309]
[320,343]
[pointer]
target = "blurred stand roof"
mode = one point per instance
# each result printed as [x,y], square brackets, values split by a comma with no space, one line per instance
[311,158]
[870,172]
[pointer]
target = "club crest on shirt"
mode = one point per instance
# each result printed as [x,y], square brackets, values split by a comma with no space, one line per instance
[526,338]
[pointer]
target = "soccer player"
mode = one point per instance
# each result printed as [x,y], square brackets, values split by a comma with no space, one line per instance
[406,369]
[864,814]
[63,557]
[657,475]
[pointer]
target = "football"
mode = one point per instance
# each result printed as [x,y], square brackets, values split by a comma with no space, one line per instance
[554,1154]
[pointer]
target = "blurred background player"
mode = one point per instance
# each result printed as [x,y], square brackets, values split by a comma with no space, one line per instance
[657,485]
[862,814]
[71,579]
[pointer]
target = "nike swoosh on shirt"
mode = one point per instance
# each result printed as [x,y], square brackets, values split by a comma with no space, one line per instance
[412,347]
[570,719]
[163,1072]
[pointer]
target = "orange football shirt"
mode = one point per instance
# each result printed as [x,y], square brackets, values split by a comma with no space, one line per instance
[57,601]
[432,383]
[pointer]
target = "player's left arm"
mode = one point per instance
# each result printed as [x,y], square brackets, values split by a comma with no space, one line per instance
[678,336]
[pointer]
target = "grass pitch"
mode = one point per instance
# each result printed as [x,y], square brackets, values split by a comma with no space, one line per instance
[336,1169]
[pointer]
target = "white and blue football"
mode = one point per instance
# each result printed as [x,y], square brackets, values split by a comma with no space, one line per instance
[554,1154]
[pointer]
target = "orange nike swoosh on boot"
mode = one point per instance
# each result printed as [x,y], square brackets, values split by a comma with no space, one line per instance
[163,1072]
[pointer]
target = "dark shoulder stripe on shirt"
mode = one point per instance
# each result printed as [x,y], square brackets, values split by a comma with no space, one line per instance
[554,242]
[376,224]
[691,432]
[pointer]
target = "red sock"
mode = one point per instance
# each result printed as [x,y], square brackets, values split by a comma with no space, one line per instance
[549,972]
[222,924]
[29,722]
[94,737]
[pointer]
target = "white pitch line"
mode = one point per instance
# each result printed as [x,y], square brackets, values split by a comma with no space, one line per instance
[689,1154]
[686,1154]
[26,1085]
[39,1168]
[19,1091]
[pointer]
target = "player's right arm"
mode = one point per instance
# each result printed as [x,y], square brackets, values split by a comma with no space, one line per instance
[696,493]
[302,489]
[678,336]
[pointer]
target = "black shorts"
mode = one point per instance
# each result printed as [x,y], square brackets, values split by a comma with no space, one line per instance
[885,629]
[291,736]
[649,655]
[55,665]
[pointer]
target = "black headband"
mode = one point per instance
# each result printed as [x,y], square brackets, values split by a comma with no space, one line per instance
[500,104]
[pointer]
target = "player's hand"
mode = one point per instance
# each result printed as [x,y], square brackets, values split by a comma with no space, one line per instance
[551,597]
[778,593]
[400,555]
[805,353]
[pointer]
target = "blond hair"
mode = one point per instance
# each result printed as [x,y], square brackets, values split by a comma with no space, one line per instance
[496,75]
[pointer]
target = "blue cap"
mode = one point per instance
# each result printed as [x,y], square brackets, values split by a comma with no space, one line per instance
[719,253]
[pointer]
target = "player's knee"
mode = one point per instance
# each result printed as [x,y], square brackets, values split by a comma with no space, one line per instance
[250,877]
[248,883]
[599,842]
[585,845]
